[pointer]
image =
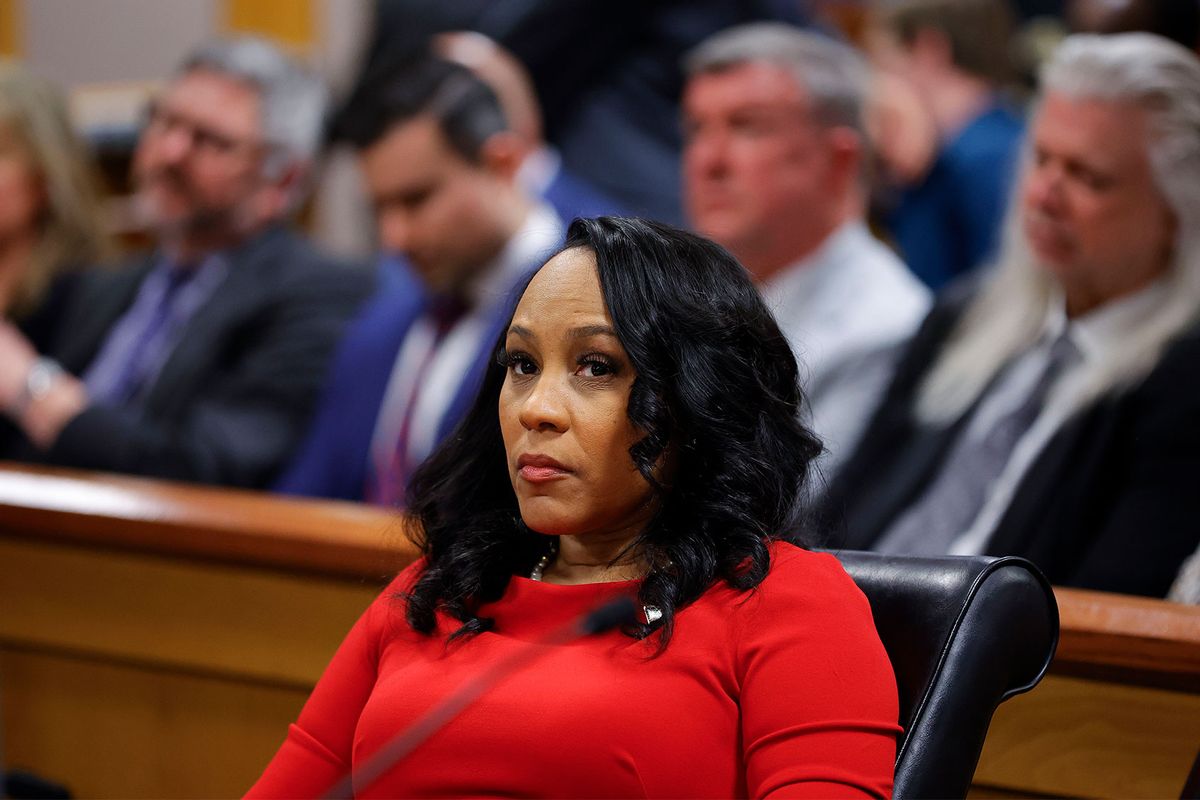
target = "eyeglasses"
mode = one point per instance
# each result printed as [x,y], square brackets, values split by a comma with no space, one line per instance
[159,120]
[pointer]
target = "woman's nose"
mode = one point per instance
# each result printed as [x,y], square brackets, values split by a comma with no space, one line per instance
[545,406]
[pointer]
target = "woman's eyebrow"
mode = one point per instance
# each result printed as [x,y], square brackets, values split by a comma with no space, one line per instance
[581,332]
[592,330]
[524,333]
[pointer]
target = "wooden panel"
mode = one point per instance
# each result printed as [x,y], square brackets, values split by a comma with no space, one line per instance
[12,29]
[1136,640]
[1083,738]
[289,22]
[168,612]
[113,730]
[249,528]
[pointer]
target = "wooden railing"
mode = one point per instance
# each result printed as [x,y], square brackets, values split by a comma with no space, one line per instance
[156,639]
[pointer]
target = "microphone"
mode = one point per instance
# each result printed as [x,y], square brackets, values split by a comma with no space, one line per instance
[600,619]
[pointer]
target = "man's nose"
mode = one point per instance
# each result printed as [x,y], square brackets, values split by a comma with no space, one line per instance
[706,154]
[395,231]
[1043,187]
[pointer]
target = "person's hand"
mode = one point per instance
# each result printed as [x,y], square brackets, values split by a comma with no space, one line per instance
[16,359]
[42,418]
[901,129]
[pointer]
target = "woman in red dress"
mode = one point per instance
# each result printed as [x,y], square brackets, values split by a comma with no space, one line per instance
[639,436]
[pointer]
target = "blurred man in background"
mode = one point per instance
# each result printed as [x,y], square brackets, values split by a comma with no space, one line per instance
[441,163]
[773,170]
[201,362]
[951,156]
[541,173]
[1052,413]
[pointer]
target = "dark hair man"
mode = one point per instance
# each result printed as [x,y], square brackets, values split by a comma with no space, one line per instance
[950,156]
[459,234]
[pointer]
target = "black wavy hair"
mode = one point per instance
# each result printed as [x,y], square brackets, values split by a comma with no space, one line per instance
[716,386]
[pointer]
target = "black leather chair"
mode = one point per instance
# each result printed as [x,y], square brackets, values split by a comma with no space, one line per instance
[964,635]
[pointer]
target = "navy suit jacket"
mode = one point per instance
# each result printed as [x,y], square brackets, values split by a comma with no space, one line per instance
[334,460]
[572,197]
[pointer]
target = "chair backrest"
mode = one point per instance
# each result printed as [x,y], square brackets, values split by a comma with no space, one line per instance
[964,635]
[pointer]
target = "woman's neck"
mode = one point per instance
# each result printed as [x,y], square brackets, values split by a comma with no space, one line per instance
[597,558]
[16,259]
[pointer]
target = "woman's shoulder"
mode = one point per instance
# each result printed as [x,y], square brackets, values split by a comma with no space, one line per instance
[809,610]
[406,579]
[796,571]
[804,589]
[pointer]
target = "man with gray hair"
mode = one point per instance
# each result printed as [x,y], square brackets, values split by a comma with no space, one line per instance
[1053,412]
[773,170]
[201,362]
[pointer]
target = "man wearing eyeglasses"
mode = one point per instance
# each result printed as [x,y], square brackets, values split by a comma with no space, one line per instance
[201,362]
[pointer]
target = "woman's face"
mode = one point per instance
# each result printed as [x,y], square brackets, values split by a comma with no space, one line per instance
[21,195]
[563,409]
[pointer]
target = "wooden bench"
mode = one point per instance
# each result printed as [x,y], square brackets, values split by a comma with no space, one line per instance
[156,639]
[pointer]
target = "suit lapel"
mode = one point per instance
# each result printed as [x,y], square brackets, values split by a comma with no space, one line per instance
[93,312]
[1033,524]
[237,296]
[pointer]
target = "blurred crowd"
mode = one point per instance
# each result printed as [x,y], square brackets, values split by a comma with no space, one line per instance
[977,222]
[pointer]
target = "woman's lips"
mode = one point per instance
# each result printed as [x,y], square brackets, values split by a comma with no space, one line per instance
[540,468]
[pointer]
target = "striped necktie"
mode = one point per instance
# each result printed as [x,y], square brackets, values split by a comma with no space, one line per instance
[954,499]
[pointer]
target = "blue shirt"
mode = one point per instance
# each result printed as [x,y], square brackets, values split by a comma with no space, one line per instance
[949,224]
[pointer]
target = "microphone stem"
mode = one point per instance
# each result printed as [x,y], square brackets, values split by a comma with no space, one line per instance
[429,723]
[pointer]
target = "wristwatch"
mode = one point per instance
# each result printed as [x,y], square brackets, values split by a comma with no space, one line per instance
[38,381]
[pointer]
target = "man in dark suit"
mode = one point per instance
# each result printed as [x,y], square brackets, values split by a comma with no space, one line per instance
[201,362]
[1053,411]
[459,233]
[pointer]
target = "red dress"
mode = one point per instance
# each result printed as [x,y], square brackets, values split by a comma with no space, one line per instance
[784,692]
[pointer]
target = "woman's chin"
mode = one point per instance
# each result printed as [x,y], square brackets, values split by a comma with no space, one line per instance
[546,516]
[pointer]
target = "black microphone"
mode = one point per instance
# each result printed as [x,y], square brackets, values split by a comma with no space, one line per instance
[605,617]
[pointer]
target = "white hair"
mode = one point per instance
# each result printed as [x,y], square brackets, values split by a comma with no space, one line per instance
[1162,78]
[293,99]
[834,75]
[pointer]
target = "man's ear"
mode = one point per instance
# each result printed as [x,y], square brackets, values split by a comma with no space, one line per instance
[846,152]
[503,153]
[281,192]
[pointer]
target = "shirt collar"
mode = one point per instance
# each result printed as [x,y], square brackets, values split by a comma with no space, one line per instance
[801,278]
[540,233]
[538,169]
[1101,330]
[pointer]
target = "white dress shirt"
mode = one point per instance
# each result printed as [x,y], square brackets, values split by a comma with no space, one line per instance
[846,310]
[540,234]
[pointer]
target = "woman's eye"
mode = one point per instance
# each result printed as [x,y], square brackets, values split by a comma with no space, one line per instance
[518,363]
[593,367]
[522,366]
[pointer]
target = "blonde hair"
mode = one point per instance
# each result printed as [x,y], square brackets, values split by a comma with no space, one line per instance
[70,233]
[1163,78]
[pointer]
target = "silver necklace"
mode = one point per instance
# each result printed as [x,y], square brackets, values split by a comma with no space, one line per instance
[652,613]
[543,562]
